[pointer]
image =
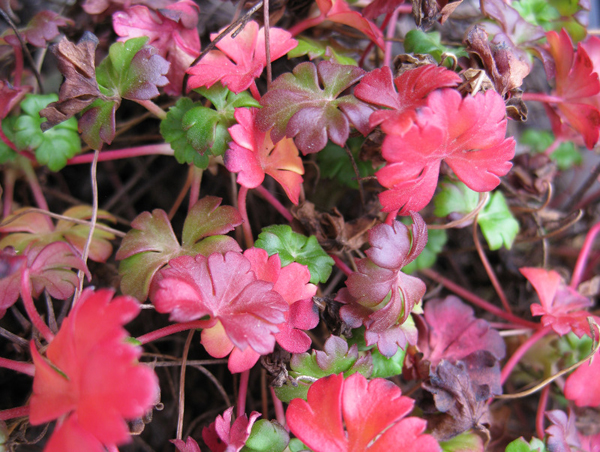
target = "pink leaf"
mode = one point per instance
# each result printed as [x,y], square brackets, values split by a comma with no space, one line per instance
[225,436]
[89,378]
[224,287]
[374,414]
[190,445]
[467,133]
[172,30]
[251,154]
[412,89]
[562,307]
[247,50]
[583,385]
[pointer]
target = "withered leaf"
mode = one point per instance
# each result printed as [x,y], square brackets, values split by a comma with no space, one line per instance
[79,89]
[459,404]
[504,68]
[426,12]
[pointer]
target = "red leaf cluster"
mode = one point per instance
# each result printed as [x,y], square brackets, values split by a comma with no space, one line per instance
[225,436]
[85,381]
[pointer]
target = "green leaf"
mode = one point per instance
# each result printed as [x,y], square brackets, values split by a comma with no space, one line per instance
[132,70]
[436,239]
[497,223]
[520,445]
[55,146]
[297,446]
[331,51]
[417,41]
[294,247]
[267,436]
[97,123]
[6,153]
[465,442]
[196,132]
[566,156]
[537,140]
[537,12]
[454,197]
[334,163]
[388,367]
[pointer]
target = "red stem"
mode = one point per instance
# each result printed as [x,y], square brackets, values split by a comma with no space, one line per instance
[391,31]
[584,255]
[341,265]
[175,328]
[195,186]
[279,411]
[152,149]
[391,217]
[306,23]
[21,411]
[541,411]
[18,74]
[34,316]
[518,354]
[477,301]
[34,184]
[242,194]
[19,366]
[10,178]
[542,97]
[262,191]
[243,391]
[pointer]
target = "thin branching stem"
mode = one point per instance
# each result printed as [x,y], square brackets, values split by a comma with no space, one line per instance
[32,312]
[176,328]
[181,410]
[584,255]
[18,366]
[22,411]
[520,352]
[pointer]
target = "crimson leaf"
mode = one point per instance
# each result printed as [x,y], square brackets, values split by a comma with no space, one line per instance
[297,106]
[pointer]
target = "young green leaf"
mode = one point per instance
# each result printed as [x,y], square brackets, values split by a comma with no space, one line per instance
[294,247]
[266,436]
[418,41]
[384,367]
[454,197]
[330,50]
[497,223]
[334,163]
[55,146]
[520,445]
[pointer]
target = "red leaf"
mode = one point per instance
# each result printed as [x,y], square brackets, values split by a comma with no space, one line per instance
[292,283]
[577,85]
[172,30]
[374,414]
[223,436]
[11,267]
[247,50]
[190,445]
[224,287]
[92,385]
[412,88]
[562,307]
[467,133]
[251,154]
[10,97]
[583,385]
[42,28]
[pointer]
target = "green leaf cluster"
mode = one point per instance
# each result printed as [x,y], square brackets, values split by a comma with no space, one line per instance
[330,50]
[334,163]
[417,41]
[294,247]
[566,155]
[196,132]
[554,15]
[52,148]
[498,225]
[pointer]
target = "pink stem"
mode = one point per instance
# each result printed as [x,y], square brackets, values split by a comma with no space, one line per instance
[195,187]
[391,217]
[153,108]
[34,316]
[175,328]
[21,411]
[477,301]
[542,97]
[518,354]
[279,411]
[262,191]
[386,20]
[584,255]
[242,194]
[391,31]
[34,184]
[10,178]
[541,411]
[306,23]
[555,144]
[152,149]
[18,51]
[7,142]
[341,265]
[19,366]
[242,393]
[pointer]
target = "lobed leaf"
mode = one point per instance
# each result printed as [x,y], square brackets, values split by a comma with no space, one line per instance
[297,106]
[294,247]
[498,225]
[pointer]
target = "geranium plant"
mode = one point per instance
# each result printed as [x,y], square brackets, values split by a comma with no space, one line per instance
[380,231]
